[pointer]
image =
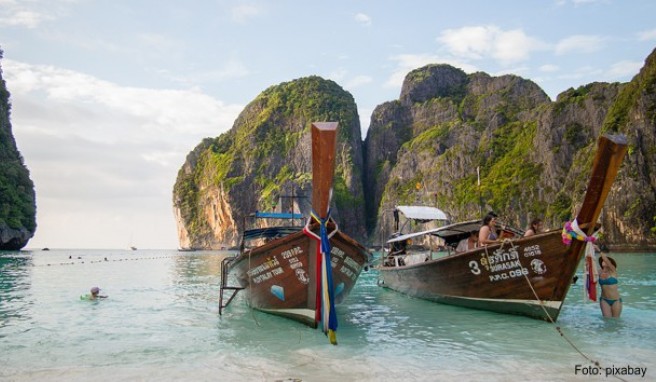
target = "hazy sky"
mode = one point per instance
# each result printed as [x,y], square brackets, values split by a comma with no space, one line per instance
[108,97]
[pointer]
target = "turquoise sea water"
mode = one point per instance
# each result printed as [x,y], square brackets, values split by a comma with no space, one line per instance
[161,323]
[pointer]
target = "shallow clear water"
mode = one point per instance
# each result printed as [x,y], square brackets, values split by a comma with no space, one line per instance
[161,323]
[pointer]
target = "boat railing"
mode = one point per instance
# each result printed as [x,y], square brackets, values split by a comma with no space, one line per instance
[225,288]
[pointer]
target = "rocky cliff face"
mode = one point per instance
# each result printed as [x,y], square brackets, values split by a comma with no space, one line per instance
[264,160]
[533,155]
[17,201]
[428,147]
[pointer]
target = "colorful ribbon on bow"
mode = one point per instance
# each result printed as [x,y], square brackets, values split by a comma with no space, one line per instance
[571,231]
[325,292]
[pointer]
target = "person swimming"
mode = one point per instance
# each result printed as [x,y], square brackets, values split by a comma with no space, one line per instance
[94,295]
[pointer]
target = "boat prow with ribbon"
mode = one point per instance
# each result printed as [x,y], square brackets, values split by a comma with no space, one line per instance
[301,272]
[527,276]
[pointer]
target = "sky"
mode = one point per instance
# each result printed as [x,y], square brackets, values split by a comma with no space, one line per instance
[108,97]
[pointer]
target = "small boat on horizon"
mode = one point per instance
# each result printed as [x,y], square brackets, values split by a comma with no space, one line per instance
[295,270]
[527,276]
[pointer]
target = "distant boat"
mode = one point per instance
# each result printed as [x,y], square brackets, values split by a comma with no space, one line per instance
[527,276]
[295,271]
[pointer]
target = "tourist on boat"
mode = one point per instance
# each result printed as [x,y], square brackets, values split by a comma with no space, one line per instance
[610,300]
[469,243]
[488,232]
[534,228]
[398,249]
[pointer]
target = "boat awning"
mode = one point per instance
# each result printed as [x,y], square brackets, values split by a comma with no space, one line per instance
[422,212]
[277,215]
[270,232]
[444,232]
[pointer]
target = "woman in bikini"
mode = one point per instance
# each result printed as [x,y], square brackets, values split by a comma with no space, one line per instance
[610,301]
[488,232]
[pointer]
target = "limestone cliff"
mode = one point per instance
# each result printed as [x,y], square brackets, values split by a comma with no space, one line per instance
[17,199]
[429,147]
[533,155]
[265,156]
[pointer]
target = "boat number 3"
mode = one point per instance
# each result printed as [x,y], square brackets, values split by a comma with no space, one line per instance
[473,266]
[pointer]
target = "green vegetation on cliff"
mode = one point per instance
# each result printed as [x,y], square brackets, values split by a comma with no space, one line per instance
[17,198]
[266,153]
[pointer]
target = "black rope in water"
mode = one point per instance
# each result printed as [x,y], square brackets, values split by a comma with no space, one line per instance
[558,329]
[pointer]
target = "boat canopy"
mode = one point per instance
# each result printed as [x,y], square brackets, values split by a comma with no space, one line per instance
[270,232]
[276,215]
[446,232]
[422,213]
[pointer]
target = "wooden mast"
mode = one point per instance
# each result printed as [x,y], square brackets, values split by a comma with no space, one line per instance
[610,153]
[324,136]
[606,164]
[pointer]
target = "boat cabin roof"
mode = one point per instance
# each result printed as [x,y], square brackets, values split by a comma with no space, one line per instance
[450,233]
[425,213]
[275,215]
[453,233]
[270,232]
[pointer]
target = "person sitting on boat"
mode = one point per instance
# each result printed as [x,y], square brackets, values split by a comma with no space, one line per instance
[610,301]
[488,232]
[398,249]
[534,228]
[468,243]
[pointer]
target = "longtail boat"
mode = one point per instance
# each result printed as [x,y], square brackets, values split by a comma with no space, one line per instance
[527,276]
[301,272]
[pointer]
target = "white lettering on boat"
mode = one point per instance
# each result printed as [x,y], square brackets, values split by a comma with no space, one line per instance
[502,264]
[335,251]
[265,266]
[473,265]
[266,276]
[533,250]
[348,272]
[291,252]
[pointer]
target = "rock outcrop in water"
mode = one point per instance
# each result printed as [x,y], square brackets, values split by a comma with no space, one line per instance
[533,155]
[17,198]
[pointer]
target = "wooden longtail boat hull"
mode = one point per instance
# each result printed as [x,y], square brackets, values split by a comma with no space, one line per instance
[280,277]
[526,276]
[494,277]
[284,276]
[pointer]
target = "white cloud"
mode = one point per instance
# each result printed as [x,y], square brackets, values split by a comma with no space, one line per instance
[358,81]
[29,14]
[647,35]
[24,18]
[363,19]
[243,12]
[584,72]
[89,142]
[549,68]
[622,70]
[579,44]
[481,42]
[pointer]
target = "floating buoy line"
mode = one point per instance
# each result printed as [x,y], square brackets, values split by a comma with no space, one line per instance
[79,260]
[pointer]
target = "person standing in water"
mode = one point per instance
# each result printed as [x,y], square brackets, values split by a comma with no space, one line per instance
[610,300]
